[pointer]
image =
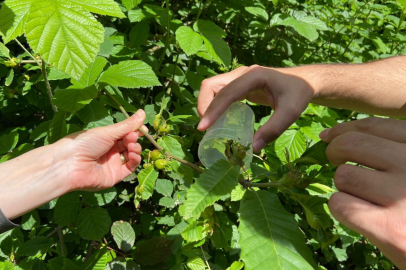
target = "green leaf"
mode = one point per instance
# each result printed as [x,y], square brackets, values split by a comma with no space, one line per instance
[218,49]
[24,148]
[4,51]
[30,220]
[167,202]
[209,28]
[10,78]
[306,26]
[341,254]
[35,246]
[316,215]
[193,232]
[236,266]
[130,4]
[61,263]
[196,263]
[6,265]
[171,146]
[312,131]
[189,40]
[99,198]
[66,36]
[164,187]
[238,193]
[258,12]
[67,208]
[95,115]
[139,34]
[153,251]
[103,7]
[146,182]
[130,74]
[317,152]
[97,261]
[167,220]
[123,235]
[72,100]
[270,236]
[292,140]
[13,16]
[222,231]
[93,223]
[219,180]
[8,142]
[91,74]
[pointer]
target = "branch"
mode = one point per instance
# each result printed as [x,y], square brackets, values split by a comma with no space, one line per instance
[151,139]
[61,242]
[48,86]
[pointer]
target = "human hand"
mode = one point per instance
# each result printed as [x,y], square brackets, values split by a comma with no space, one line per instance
[371,201]
[282,89]
[92,158]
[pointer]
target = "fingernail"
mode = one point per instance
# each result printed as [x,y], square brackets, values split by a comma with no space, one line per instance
[201,124]
[323,134]
[258,145]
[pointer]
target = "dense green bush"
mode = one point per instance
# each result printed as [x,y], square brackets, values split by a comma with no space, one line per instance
[154,55]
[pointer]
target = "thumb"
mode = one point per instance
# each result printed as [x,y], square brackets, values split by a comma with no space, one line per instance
[282,119]
[120,130]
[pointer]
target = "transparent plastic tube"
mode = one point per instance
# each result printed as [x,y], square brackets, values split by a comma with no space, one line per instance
[237,123]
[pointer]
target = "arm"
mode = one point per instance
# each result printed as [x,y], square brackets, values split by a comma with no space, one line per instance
[88,160]
[378,88]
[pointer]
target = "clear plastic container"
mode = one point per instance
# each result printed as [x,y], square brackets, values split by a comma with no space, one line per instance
[237,123]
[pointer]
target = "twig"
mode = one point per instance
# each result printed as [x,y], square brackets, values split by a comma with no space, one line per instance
[29,62]
[89,251]
[151,139]
[61,242]
[48,86]
[52,233]
[21,45]
[205,259]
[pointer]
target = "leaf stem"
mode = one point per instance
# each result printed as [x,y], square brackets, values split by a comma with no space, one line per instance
[22,46]
[151,139]
[61,242]
[48,86]
[267,185]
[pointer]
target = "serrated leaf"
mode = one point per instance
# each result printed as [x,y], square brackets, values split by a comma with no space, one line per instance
[130,74]
[316,215]
[167,202]
[103,7]
[315,22]
[189,40]
[72,100]
[292,140]
[171,146]
[130,4]
[193,232]
[95,115]
[52,31]
[33,247]
[139,34]
[209,28]
[219,180]
[270,236]
[164,187]
[91,74]
[218,49]
[258,12]
[8,142]
[312,131]
[4,51]
[167,220]
[13,16]
[30,220]
[317,152]
[153,251]
[306,26]
[99,198]
[67,208]
[196,263]
[123,235]
[93,223]
[146,182]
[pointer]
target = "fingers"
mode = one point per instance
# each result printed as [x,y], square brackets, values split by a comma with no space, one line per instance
[369,185]
[210,87]
[118,131]
[358,215]
[365,149]
[254,78]
[390,129]
[282,118]
[133,161]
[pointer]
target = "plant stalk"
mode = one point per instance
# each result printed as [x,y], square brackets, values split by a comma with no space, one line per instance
[48,86]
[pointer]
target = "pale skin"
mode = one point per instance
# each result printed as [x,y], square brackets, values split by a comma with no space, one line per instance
[88,160]
[370,201]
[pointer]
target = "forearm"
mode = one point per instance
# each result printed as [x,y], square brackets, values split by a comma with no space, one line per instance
[376,88]
[30,181]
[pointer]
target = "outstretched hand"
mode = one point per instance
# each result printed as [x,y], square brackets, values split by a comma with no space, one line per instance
[372,197]
[92,158]
[282,89]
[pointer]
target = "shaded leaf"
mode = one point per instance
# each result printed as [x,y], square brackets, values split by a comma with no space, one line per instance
[93,223]
[123,235]
[72,100]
